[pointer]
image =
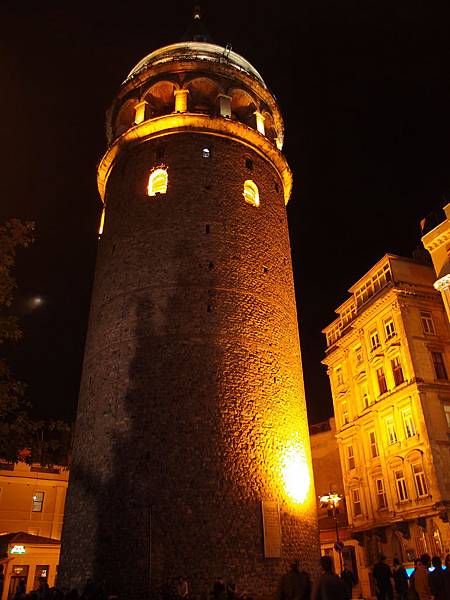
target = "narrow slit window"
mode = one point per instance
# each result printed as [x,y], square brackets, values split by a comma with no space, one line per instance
[157,183]
[251,193]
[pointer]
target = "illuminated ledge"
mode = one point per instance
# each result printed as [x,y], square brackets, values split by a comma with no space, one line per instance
[183,122]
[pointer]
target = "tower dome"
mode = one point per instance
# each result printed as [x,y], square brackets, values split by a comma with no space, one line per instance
[191,453]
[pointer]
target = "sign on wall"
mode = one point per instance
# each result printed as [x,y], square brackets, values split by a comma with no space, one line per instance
[272,529]
[17,549]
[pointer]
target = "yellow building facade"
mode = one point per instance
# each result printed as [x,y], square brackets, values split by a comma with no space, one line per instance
[32,502]
[436,239]
[388,359]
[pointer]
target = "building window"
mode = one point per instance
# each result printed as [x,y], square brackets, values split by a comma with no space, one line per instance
[38,501]
[381,494]
[250,193]
[408,423]
[419,480]
[339,376]
[374,339]
[447,414]
[157,183]
[372,285]
[373,444]
[382,386]
[389,328]
[439,366]
[427,322]
[397,370]
[356,497]
[364,395]
[358,353]
[345,415]
[249,163]
[350,458]
[400,482]
[206,152]
[391,434]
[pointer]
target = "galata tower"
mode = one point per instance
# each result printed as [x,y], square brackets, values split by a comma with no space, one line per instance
[191,453]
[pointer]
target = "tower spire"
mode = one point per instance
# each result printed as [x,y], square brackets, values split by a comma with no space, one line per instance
[196,32]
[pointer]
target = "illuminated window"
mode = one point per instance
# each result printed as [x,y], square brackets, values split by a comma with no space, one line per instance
[350,457]
[397,371]
[102,222]
[38,501]
[206,152]
[364,395]
[419,480]
[251,194]
[374,339]
[408,423]
[373,444]
[157,183]
[391,433]
[356,498]
[439,366]
[381,494]
[427,322]
[400,483]
[389,328]
[345,415]
[382,386]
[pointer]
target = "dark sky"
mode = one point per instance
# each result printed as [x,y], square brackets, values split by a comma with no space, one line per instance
[364,87]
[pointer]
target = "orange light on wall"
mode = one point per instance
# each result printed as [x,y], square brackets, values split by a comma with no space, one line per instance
[102,222]
[295,472]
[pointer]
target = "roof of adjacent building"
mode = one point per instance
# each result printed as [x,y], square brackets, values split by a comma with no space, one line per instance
[20,537]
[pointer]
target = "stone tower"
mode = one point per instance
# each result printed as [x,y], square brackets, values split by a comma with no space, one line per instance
[191,452]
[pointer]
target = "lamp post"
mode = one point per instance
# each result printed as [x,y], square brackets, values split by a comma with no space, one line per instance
[331,501]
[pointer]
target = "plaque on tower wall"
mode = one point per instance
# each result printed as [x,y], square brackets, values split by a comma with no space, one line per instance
[272,529]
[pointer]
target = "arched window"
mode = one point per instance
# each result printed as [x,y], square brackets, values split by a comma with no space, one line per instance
[157,183]
[251,194]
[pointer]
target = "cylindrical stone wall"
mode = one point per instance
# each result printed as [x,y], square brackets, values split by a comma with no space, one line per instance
[192,400]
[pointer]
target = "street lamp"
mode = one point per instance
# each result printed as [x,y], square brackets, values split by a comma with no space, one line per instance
[331,501]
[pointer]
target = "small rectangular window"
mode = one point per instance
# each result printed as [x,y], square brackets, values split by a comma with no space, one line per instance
[397,371]
[382,385]
[447,414]
[38,501]
[358,354]
[408,423]
[339,376]
[439,366]
[350,457]
[357,509]
[400,482]
[374,339]
[364,395]
[345,415]
[206,152]
[427,322]
[419,480]
[389,328]
[391,433]
[373,444]
[381,494]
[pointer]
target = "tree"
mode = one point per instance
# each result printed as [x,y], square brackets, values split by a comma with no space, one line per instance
[13,415]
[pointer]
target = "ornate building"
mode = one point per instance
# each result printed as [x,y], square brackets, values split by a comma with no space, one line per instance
[436,239]
[388,359]
[192,452]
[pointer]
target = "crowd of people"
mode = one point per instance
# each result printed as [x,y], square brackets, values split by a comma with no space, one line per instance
[389,584]
[424,584]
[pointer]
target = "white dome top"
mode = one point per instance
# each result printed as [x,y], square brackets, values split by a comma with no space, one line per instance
[196,51]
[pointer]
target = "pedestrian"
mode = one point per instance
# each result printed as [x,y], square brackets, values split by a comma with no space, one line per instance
[329,586]
[295,584]
[436,579]
[401,580]
[382,577]
[419,580]
[348,578]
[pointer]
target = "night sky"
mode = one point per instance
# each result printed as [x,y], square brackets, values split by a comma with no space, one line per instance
[364,87]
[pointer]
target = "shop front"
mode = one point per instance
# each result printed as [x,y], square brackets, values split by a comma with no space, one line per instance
[27,559]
